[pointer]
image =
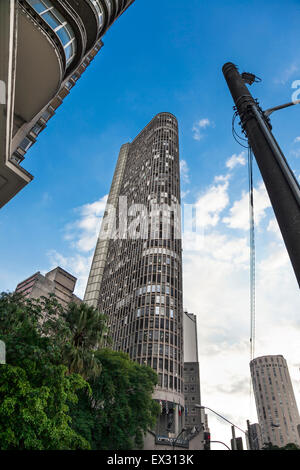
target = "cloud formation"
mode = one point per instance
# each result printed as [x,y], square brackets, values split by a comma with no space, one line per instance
[199,127]
[236,160]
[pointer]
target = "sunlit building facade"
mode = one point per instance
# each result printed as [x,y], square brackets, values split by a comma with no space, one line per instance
[46,45]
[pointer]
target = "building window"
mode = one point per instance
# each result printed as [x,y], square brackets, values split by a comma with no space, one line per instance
[58,23]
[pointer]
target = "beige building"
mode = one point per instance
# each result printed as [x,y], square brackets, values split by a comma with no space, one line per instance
[58,282]
[275,401]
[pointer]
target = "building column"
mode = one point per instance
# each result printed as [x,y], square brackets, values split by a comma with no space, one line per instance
[176,420]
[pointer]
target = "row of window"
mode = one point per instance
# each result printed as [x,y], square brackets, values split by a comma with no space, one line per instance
[58,23]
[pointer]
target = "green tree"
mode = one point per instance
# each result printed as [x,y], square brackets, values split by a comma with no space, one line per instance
[35,388]
[79,332]
[290,446]
[37,418]
[121,408]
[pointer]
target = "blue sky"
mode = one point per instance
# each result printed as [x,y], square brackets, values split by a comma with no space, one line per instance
[167,55]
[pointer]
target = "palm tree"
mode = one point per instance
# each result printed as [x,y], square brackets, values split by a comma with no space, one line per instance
[86,332]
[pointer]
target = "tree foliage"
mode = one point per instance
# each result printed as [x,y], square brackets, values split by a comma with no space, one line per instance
[60,389]
[37,418]
[121,408]
[290,446]
[79,331]
[35,388]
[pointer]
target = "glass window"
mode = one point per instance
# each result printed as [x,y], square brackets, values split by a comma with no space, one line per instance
[63,35]
[51,19]
[59,24]
[40,5]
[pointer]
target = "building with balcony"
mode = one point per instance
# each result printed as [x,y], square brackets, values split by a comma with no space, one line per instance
[46,45]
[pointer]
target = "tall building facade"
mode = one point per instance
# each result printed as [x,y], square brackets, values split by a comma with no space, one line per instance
[276,405]
[136,272]
[46,45]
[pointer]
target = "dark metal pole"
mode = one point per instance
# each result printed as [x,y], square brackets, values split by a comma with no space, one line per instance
[280,182]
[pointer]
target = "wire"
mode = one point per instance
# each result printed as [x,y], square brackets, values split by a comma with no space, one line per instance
[241,140]
[252,256]
[238,138]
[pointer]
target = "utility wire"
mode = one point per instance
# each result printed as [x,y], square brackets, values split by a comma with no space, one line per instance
[244,143]
[252,256]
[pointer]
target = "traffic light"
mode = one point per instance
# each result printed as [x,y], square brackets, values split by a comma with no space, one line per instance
[206,441]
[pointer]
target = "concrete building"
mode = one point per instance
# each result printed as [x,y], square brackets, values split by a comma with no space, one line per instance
[191,376]
[136,273]
[45,47]
[275,401]
[253,437]
[58,282]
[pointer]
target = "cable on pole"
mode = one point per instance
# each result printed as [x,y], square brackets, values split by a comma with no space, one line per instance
[244,143]
[252,256]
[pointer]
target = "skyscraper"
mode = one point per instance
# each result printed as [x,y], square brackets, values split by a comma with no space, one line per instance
[136,273]
[275,401]
[46,45]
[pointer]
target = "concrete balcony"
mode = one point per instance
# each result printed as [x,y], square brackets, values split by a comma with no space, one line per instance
[40,69]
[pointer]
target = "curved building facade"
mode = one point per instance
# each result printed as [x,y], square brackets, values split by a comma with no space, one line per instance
[51,43]
[276,405]
[136,273]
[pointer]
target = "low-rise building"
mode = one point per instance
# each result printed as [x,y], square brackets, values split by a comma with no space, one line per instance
[58,282]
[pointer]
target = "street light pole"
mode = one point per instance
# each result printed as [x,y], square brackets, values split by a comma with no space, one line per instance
[233,438]
[233,426]
[281,184]
[225,419]
[220,442]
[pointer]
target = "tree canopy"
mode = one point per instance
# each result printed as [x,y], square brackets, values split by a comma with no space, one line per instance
[60,389]
[121,408]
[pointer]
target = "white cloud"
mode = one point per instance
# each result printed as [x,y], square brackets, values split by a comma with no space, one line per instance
[239,212]
[199,126]
[297,139]
[78,265]
[81,236]
[84,231]
[211,204]
[274,228]
[235,160]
